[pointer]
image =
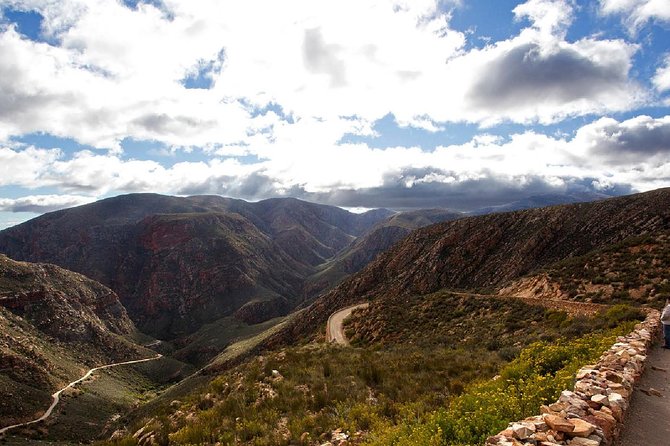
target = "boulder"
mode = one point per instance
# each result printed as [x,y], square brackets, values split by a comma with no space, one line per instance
[579,441]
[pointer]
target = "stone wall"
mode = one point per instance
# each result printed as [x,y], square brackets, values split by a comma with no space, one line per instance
[593,413]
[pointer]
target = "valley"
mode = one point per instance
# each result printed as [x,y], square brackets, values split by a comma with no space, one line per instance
[242,300]
[56,396]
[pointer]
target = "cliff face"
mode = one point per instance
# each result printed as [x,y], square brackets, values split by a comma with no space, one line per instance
[190,269]
[177,263]
[489,251]
[60,303]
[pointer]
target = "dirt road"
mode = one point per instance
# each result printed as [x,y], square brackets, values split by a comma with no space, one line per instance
[56,396]
[334,328]
[571,307]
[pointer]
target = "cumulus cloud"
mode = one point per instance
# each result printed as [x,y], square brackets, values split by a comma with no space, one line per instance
[604,156]
[285,86]
[22,167]
[550,17]
[636,13]
[528,79]
[640,140]
[42,203]
[317,60]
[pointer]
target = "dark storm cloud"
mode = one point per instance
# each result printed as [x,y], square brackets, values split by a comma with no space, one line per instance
[642,140]
[394,193]
[525,76]
[320,57]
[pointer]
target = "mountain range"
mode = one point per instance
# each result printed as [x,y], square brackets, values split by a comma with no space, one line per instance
[205,273]
[179,263]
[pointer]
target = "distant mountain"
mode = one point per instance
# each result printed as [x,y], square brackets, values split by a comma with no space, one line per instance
[487,252]
[367,247]
[538,201]
[177,263]
[53,324]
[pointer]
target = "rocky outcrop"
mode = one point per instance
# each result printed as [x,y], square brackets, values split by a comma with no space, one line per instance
[61,303]
[532,287]
[592,414]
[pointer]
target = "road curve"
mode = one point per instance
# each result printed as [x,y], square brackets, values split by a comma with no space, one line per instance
[334,328]
[56,396]
[335,331]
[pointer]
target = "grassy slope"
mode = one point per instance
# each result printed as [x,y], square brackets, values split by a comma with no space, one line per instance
[212,339]
[448,319]
[380,383]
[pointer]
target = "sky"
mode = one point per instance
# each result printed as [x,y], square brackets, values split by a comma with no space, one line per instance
[360,104]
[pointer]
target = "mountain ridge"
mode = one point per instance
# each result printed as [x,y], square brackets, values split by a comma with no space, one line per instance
[179,262]
[488,251]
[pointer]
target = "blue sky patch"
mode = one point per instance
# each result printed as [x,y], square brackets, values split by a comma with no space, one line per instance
[28,23]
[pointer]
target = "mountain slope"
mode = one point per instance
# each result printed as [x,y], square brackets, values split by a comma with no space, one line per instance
[368,246]
[53,323]
[491,250]
[177,263]
[634,271]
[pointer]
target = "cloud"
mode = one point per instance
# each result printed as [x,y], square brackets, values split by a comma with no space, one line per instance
[550,17]
[284,87]
[604,156]
[661,79]
[532,78]
[42,203]
[322,58]
[636,13]
[316,60]
[22,167]
[638,141]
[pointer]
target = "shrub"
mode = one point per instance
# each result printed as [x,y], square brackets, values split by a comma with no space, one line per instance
[536,377]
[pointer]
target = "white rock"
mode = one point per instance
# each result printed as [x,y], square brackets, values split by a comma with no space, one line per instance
[523,430]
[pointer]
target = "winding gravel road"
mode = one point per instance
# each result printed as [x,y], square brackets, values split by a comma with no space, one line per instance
[56,396]
[335,331]
[334,328]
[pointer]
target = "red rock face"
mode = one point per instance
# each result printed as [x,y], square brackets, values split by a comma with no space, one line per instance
[60,303]
[177,263]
